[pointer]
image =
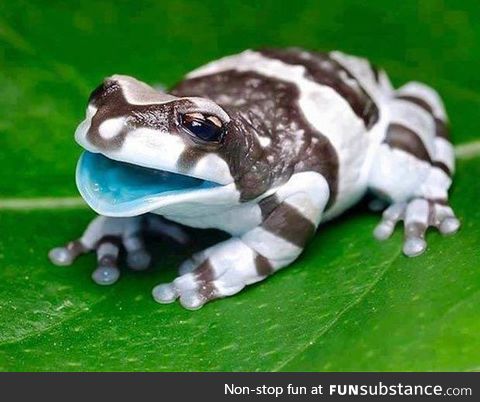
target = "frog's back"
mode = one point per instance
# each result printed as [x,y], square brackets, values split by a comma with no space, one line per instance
[310,110]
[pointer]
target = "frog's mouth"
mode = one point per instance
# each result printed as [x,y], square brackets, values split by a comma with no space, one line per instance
[115,188]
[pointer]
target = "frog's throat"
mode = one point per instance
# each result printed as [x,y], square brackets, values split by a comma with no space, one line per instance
[116,188]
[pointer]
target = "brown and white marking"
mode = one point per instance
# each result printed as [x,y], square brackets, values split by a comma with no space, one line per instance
[303,136]
[417,151]
[290,218]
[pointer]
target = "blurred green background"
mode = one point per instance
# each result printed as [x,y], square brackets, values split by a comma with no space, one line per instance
[348,304]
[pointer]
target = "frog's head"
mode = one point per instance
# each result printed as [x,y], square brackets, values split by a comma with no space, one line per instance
[151,151]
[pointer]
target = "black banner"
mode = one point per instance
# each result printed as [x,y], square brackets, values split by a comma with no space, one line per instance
[239,386]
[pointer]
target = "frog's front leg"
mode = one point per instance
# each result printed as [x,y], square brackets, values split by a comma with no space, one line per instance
[289,218]
[107,236]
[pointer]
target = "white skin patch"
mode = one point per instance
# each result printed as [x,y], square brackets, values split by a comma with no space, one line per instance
[111,128]
[311,183]
[226,218]
[409,173]
[264,141]
[84,126]
[214,168]
[418,212]
[435,186]
[143,147]
[276,249]
[444,152]
[139,93]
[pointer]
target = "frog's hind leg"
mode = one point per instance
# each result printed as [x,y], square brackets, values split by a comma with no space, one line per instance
[413,166]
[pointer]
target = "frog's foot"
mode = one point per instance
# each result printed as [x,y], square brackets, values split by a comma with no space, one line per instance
[107,236]
[225,270]
[65,255]
[196,288]
[418,215]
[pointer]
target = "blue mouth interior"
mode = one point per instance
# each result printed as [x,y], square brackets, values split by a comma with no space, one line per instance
[111,186]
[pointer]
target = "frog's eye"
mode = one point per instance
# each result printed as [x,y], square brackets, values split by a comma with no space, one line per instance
[206,128]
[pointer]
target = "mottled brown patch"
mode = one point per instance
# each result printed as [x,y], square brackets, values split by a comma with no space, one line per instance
[189,158]
[263,266]
[321,68]
[268,204]
[205,275]
[205,271]
[289,224]
[261,106]
[327,165]
[207,291]
[401,137]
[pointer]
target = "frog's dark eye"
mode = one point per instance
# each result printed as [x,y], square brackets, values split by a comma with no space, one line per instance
[206,128]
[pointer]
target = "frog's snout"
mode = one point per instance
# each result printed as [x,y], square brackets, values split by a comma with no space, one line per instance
[118,106]
[129,121]
[123,90]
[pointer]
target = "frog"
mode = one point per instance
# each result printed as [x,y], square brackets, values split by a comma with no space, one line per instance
[265,145]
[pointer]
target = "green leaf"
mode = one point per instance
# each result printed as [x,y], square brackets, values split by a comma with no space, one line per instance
[349,303]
